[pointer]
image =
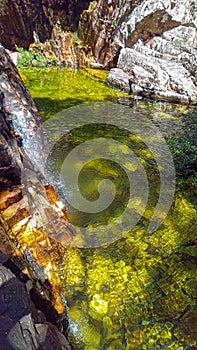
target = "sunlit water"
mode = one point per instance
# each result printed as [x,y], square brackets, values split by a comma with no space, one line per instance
[140,291]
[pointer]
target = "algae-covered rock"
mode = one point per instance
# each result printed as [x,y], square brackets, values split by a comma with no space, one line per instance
[98,306]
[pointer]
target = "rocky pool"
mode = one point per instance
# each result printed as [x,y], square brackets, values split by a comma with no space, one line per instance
[138,289]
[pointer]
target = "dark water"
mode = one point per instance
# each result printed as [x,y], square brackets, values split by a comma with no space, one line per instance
[137,290]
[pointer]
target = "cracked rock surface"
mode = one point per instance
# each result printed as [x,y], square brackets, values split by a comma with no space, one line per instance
[159,59]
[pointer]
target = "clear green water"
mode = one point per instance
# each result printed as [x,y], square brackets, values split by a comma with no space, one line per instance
[140,291]
[54,89]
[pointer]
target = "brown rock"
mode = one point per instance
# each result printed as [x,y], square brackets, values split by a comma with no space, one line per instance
[10,163]
[9,197]
[27,217]
[22,22]
[99,28]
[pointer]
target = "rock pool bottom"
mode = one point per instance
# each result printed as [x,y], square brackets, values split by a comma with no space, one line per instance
[140,291]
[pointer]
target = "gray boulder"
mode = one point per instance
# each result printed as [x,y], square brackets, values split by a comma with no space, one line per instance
[159,58]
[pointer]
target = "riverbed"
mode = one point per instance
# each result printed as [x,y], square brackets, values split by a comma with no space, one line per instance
[136,289]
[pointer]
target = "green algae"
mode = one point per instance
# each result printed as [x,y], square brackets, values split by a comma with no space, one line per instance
[140,291]
[55,89]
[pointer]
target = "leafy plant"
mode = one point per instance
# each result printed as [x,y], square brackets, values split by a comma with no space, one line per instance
[184,150]
[25,58]
[34,58]
[74,36]
[114,22]
[90,7]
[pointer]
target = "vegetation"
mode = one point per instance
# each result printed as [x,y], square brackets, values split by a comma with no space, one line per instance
[34,57]
[184,151]
[114,22]
[90,7]
[74,37]
[25,58]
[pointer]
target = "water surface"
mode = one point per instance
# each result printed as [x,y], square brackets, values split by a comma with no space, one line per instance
[140,291]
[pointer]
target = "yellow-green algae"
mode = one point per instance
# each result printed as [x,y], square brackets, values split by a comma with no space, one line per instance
[139,292]
[54,89]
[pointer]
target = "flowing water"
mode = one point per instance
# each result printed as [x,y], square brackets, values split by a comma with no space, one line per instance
[139,289]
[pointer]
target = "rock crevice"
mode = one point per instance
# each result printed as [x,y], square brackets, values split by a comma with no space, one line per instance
[22,20]
[159,58]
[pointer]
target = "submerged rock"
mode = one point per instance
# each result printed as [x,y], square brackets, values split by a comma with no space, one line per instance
[159,58]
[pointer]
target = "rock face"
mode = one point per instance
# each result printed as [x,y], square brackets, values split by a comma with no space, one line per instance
[159,59]
[20,19]
[17,101]
[99,28]
[152,43]
[22,325]
[10,162]
[31,214]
